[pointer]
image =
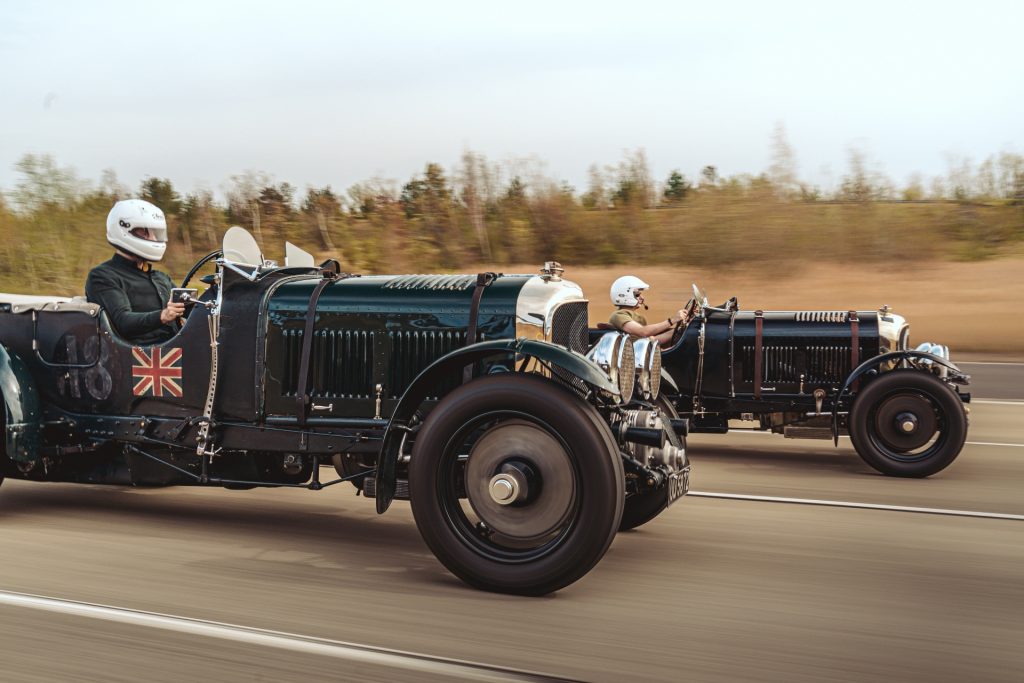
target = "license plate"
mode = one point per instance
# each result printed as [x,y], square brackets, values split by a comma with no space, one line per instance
[678,485]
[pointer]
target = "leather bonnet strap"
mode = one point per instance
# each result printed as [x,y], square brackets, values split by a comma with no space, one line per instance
[854,345]
[758,334]
[301,397]
[483,280]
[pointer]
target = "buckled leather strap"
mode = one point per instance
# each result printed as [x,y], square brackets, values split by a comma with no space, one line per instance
[758,334]
[483,280]
[301,394]
[854,345]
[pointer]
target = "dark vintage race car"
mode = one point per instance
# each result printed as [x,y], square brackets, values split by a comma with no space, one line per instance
[469,395]
[821,374]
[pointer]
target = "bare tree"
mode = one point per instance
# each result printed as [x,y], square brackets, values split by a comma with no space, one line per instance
[960,176]
[913,191]
[197,213]
[596,196]
[635,186]
[472,177]
[865,181]
[111,186]
[1011,176]
[323,205]
[782,171]
[243,195]
[43,183]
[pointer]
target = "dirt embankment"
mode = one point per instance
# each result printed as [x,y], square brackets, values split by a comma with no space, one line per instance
[975,308]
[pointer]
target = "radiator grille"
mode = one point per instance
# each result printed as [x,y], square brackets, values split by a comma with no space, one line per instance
[784,363]
[569,326]
[569,329]
[341,360]
[411,352]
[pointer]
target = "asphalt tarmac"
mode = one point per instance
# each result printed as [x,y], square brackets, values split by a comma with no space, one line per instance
[712,590]
[994,379]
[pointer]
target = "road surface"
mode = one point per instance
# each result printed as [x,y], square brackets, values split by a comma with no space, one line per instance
[713,590]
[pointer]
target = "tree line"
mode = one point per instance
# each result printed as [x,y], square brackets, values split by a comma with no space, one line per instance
[485,214]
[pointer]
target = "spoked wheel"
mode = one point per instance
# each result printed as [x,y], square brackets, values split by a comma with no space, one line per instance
[641,508]
[516,484]
[908,423]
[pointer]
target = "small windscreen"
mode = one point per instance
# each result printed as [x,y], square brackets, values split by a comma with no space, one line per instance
[297,257]
[240,247]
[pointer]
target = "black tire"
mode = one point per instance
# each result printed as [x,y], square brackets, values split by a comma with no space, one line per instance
[935,415]
[557,533]
[642,508]
[5,462]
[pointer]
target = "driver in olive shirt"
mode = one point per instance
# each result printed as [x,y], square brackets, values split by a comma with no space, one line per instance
[627,294]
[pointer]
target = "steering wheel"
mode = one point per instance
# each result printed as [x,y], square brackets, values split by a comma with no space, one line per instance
[199,264]
[191,273]
[690,309]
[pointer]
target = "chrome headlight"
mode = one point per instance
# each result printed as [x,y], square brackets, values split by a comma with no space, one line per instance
[614,354]
[936,350]
[647,354]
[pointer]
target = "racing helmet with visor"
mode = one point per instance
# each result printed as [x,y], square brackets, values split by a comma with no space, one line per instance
[627,290]
[138,228]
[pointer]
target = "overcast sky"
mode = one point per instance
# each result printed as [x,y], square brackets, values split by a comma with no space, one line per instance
[337,92]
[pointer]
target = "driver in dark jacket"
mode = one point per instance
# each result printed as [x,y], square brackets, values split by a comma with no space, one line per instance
[137,298]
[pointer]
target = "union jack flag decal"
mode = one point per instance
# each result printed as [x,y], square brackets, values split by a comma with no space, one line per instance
[156,372]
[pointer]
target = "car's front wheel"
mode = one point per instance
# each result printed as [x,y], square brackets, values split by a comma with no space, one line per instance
[908,423]
[516,484]
[641,508]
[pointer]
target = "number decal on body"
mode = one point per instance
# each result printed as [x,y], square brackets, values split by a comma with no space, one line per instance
[96,379]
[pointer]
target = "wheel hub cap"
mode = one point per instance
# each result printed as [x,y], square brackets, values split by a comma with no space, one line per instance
[905,422]
[509,486]
[520,480]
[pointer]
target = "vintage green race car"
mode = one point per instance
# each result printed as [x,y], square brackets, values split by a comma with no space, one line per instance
[470,395]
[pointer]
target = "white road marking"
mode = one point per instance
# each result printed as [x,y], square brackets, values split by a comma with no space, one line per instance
[365,654]
[996,402]
[861,506]
[985,362]
[758,432]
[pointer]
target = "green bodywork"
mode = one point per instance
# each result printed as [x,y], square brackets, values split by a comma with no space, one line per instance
[21,408]
[407,335]
[377,330]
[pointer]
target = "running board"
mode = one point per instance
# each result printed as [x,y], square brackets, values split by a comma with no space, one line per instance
[796,432]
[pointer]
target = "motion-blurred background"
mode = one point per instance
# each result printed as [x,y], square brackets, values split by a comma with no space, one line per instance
[792,154]
[805,155]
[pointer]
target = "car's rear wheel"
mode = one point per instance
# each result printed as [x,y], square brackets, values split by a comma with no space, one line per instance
[516,484]
[908,423]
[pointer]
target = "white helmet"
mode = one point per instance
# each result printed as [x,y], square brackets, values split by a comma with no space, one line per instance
[139,228]
[625,289]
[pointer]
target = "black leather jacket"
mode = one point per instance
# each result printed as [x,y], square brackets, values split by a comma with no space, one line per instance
[132,298]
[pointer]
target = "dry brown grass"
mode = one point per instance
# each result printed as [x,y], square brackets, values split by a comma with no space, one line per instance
[972,307]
